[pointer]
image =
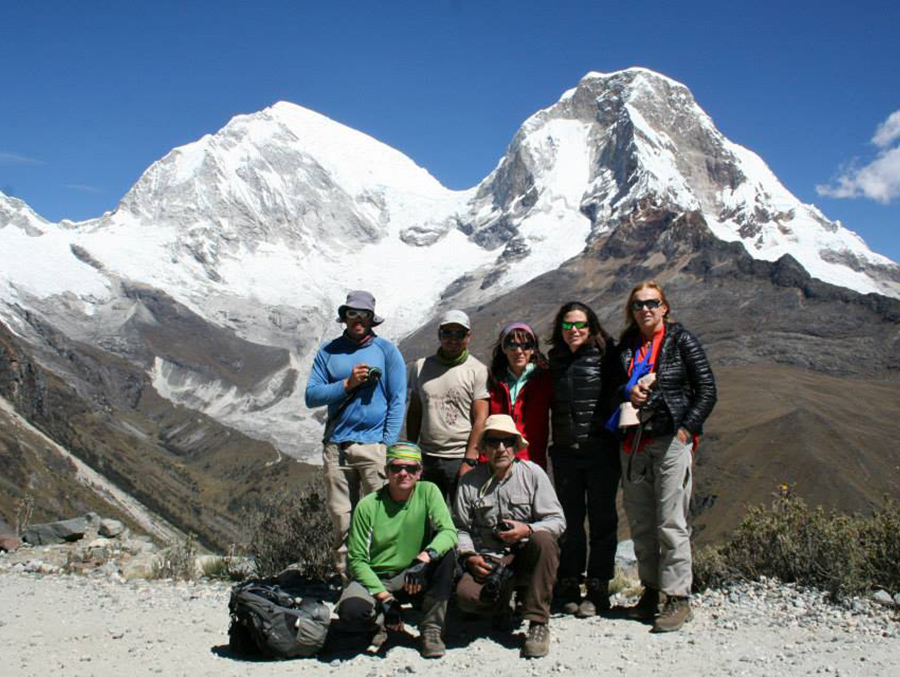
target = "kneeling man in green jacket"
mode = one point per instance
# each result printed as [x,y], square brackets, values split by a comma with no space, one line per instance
[401,546]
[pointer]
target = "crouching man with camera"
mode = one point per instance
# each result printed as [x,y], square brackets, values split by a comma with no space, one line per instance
[509,519]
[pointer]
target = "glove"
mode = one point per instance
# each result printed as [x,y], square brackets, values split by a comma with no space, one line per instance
[415,574]
[393,614]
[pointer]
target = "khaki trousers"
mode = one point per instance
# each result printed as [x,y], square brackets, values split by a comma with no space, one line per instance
[657,496]
[535,564]
[351,471]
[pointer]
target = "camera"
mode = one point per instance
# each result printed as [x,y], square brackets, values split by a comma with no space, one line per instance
[493,584]
[654,414]
[502,525]
[374,375]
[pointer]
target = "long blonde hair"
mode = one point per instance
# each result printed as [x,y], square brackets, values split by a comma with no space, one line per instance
[631,328]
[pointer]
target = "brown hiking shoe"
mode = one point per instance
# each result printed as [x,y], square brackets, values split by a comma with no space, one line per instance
[432,644]
[596,601]
[675,613]
[647,607]
[568,595]
[537,641]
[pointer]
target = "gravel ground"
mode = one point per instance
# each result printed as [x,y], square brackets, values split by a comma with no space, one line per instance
[92,625]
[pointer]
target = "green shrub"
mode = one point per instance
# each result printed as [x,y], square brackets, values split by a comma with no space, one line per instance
[841,554]
[228,568]
[293,528]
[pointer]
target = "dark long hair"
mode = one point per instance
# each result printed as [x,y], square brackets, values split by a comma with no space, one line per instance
[499,361]
[598,335]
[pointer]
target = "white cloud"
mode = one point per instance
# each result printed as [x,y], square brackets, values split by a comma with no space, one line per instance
[880,179]
[16,159]
[888,131]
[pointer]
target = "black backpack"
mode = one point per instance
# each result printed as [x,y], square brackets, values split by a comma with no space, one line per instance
[266,620]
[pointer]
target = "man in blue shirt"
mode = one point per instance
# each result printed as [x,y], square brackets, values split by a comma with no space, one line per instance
[362,380]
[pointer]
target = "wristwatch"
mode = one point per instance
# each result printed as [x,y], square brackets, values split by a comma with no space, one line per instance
[470,461]
[432,554]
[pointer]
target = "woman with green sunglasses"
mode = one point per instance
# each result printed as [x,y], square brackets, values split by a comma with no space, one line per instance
[586,373]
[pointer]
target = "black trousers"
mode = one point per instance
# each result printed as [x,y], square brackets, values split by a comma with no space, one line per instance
[444,472]
[586,484]
[358,609]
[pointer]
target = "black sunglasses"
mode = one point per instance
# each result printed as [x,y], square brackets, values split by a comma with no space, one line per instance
[409,469]
[508,441]
[524,345]
[454,333]
[652,304]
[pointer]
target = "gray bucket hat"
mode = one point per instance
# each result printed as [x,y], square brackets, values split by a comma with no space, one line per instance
[360,300]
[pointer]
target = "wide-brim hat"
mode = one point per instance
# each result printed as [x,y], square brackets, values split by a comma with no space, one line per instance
[502,423]
[360,300]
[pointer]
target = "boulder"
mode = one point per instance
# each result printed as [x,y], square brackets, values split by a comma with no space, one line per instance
[882,597]
[62,531]
[9,543]
[142,566]
[111,528]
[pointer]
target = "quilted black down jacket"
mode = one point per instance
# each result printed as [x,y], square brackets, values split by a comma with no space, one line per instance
[584,394]
[684,382]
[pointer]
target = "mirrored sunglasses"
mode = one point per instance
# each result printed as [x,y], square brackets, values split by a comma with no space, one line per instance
[355,314]
[568,326]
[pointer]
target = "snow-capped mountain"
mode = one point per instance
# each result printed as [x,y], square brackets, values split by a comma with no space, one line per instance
[627,140]
[250,238]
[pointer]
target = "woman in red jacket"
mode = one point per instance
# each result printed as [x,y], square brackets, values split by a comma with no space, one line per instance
[520,387]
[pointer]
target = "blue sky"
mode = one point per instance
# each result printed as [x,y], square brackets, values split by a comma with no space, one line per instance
[94,92]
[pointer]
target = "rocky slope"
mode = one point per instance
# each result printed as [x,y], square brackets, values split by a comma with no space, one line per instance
[102,439]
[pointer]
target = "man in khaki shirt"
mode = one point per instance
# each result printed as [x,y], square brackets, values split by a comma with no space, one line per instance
[509,522]
[448,404]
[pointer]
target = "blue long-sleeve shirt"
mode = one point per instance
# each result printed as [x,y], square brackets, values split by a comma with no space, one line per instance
[376,413]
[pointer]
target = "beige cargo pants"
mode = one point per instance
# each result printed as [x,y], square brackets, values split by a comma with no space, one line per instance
[351,471]
[657,500]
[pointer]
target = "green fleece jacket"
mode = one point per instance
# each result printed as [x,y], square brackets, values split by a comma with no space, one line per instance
[385,535]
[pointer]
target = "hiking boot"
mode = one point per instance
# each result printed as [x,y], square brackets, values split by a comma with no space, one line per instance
[675,613]
[647,607]
[568,595]
[432,644]
[537,641]
[596,601]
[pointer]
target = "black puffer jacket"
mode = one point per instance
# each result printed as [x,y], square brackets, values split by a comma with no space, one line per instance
[584,387]
[684,381]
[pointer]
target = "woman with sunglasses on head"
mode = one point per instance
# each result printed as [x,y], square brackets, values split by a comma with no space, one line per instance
[672,387]
[586,374]
[520,387]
